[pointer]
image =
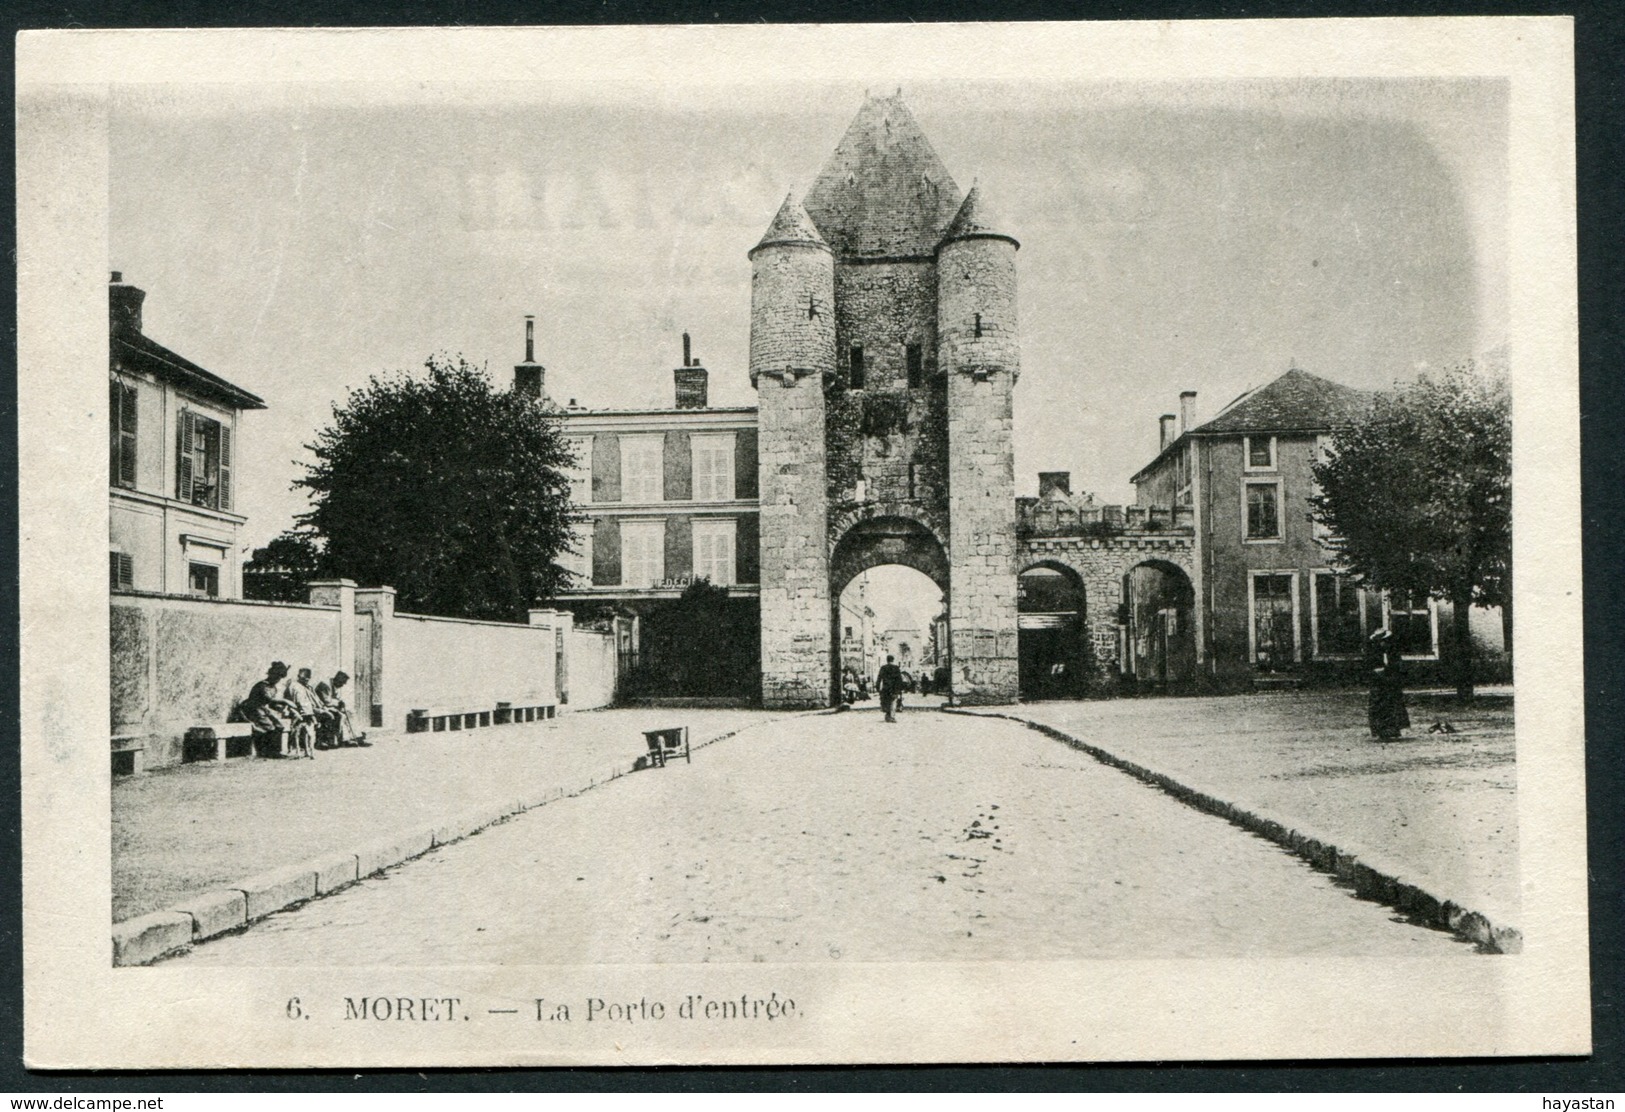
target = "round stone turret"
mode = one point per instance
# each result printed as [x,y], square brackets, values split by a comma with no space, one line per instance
[976,294]
[792,299]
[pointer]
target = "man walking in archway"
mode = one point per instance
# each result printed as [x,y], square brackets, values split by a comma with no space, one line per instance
[890,682]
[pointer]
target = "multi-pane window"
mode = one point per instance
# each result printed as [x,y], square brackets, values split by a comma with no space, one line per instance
[643,553]
[1339,616]
[1322,453]
[578,558]
[1263,511]
[642,468]
[581,470]
[714,551]
[203,464]
[713,467]
[1259,452]
[1182,475]
[1275,610]
[204,579]
[122,411]
[916,365]
[1412,621]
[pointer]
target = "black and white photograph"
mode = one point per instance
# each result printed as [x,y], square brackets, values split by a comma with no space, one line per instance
[791,545]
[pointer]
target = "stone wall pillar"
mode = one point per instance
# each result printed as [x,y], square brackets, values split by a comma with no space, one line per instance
[339,593]
[380,603]
[562,623]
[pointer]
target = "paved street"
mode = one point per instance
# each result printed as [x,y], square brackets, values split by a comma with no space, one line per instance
[842,837]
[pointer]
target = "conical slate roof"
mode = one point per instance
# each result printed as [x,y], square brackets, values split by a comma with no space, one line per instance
[972,221]
[884,191]
[791,225]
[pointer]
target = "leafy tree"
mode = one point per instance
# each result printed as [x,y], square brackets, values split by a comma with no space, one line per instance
[445,488]
[283,569]
[1418,496]
[701,644]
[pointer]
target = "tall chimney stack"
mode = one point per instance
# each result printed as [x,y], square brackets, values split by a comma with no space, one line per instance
[692,380]
[1187,411]
[124,303]
[1051,481]
[530,377]
[1165,426]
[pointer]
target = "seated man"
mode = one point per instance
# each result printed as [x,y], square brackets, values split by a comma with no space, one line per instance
[343,726]
[266,708]
[312,714]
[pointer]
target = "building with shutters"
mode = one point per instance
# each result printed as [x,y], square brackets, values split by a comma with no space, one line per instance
[1272,605]
[668,498]
[174,521]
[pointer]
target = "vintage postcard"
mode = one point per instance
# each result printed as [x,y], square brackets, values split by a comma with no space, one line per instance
[801,544]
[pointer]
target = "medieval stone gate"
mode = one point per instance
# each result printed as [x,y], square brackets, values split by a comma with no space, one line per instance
[883,350]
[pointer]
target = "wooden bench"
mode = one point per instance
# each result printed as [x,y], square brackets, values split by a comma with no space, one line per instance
[216,741]
[127,750]
[438,719]
[666,745]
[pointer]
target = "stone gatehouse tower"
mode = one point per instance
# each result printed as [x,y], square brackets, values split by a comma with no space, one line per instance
[883,349]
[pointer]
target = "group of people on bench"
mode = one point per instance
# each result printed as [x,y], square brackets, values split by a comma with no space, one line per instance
[279,704]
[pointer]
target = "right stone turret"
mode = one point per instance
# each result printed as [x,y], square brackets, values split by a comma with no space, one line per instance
[980,356]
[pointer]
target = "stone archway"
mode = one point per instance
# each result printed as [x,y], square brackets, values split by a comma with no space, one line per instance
[1053,650]
[1159,643]
[876,541]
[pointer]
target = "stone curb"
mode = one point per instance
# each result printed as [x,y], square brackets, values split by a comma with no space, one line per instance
[1370,878]
[146,938]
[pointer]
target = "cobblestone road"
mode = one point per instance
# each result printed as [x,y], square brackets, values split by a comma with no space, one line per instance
[842,837]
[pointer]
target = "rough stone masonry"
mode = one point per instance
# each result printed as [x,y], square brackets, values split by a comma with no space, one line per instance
[884,350]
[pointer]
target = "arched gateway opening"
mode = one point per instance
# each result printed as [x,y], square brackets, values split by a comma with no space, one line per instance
[1052,635]
[1160,644]
[889,589]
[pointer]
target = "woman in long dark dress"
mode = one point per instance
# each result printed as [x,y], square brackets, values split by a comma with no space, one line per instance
[1386,706]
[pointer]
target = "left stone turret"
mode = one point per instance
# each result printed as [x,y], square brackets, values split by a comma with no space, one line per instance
[792,353]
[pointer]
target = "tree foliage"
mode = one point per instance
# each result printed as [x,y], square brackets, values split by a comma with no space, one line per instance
[282,571]
[445,488]
[1418,495]
[703,644]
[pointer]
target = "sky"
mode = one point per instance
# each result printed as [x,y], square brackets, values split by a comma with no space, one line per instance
[297,239]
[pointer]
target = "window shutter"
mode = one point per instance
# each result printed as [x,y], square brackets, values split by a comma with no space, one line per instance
[127,435]
[115,401]
[225,467]
[184,435]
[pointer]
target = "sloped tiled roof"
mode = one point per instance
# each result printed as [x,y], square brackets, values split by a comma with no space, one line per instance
[1297,400]
[973,221]
[884,192]
[141,353]
[791,225]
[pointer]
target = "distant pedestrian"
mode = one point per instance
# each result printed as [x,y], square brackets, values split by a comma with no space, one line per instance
[890,683]
[330,692]
[1386,704]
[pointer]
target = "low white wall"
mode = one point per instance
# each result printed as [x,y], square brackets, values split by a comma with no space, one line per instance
[592,663]
[433,662]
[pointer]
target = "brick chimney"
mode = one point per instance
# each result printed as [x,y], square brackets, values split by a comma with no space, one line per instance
[124,304]
[530,377]
[1187,411]
[1051,482]
[692,380]
[1165,426]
